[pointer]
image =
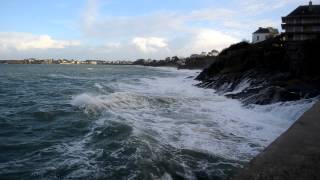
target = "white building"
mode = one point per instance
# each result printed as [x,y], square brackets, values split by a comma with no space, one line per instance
[263,34]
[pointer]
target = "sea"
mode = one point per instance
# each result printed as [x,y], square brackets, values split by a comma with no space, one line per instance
[128,122]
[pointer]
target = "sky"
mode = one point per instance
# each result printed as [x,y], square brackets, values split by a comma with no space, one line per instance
[131,29]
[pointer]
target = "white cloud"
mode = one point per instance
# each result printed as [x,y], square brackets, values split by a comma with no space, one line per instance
[208,39]
[27,41]
[201,40]
[156,34]
[159,34]
[149,45]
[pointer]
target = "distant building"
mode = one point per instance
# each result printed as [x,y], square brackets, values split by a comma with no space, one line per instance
[303,23]
[203,54]
[263,34]
[213,53]
[195,56]
[94,62]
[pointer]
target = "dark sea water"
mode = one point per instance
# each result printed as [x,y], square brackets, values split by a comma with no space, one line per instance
[127,122]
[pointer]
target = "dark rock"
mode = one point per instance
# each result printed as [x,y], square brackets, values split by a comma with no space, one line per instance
[189,77]
[271,95]
[277,71]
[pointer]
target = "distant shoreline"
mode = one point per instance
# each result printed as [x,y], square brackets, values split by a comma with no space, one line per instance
[66,62]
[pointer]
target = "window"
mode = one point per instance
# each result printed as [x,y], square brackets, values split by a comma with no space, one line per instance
[258,38]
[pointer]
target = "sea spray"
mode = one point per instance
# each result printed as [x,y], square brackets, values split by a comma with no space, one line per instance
[185,116]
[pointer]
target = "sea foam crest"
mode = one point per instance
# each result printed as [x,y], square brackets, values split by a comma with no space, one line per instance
[118,101]
[176,113]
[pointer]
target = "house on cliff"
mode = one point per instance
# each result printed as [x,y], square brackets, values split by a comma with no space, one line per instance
[263,34]
[303,23]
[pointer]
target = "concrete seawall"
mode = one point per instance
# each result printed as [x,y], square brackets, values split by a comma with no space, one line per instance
[295,155]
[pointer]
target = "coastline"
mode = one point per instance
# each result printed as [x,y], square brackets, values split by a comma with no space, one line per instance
[284,158]
[97,101]
[294,155]
[273,71]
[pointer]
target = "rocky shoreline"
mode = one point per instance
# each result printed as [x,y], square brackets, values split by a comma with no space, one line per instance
[267,72]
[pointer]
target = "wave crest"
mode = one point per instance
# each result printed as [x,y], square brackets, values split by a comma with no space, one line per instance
[120,100]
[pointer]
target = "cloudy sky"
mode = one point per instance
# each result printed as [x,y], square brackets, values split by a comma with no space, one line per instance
[131,29]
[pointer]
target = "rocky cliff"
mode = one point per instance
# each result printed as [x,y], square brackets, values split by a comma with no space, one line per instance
[266,72]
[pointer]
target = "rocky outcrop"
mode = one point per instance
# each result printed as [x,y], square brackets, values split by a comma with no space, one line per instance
[267,72]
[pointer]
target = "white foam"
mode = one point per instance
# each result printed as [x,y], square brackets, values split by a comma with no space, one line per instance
[175,112]
[98,85]
[240,87]
[67,76]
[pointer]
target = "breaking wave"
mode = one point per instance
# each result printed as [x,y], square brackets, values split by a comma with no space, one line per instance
[174,112]
[128,122]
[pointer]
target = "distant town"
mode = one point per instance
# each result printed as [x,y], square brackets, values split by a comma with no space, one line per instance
[196,61]
[63,61]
